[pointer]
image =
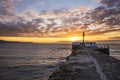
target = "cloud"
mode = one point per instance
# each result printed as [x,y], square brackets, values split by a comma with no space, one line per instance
[39,3]
[110,3]
[107,13]
[60,22]
[97,1]
[101,32]
[115,38]
[8,29]
[7,6]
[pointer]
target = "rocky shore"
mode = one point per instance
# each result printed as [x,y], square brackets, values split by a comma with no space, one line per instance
[88,64]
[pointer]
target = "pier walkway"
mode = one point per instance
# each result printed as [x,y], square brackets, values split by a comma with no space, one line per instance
[88,64]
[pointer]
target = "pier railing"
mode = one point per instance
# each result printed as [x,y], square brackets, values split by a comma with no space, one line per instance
[103,48]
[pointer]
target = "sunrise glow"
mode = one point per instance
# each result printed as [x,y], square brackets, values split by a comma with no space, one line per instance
[74,38]
[52,21]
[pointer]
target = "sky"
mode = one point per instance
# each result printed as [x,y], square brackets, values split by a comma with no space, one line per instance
[49,21]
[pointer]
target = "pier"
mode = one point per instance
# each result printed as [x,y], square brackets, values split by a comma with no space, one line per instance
[88,61]
[88,64]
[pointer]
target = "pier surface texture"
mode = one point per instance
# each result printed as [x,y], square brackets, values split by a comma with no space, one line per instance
[88,64]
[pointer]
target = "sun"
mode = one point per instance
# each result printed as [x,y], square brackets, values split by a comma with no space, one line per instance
[75,38]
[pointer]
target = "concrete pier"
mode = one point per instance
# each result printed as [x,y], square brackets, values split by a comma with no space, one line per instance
[88,64]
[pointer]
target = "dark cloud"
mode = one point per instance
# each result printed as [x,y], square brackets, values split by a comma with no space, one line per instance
[15,29]
[9,29]
[107,13]
[113,21]
[110,3]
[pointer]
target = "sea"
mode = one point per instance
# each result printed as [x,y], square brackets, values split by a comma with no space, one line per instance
[35,61]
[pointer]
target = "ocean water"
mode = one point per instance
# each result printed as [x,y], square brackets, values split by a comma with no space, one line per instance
[28,61]
[115,51]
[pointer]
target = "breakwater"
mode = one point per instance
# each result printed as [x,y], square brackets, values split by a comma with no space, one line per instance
[88,64]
